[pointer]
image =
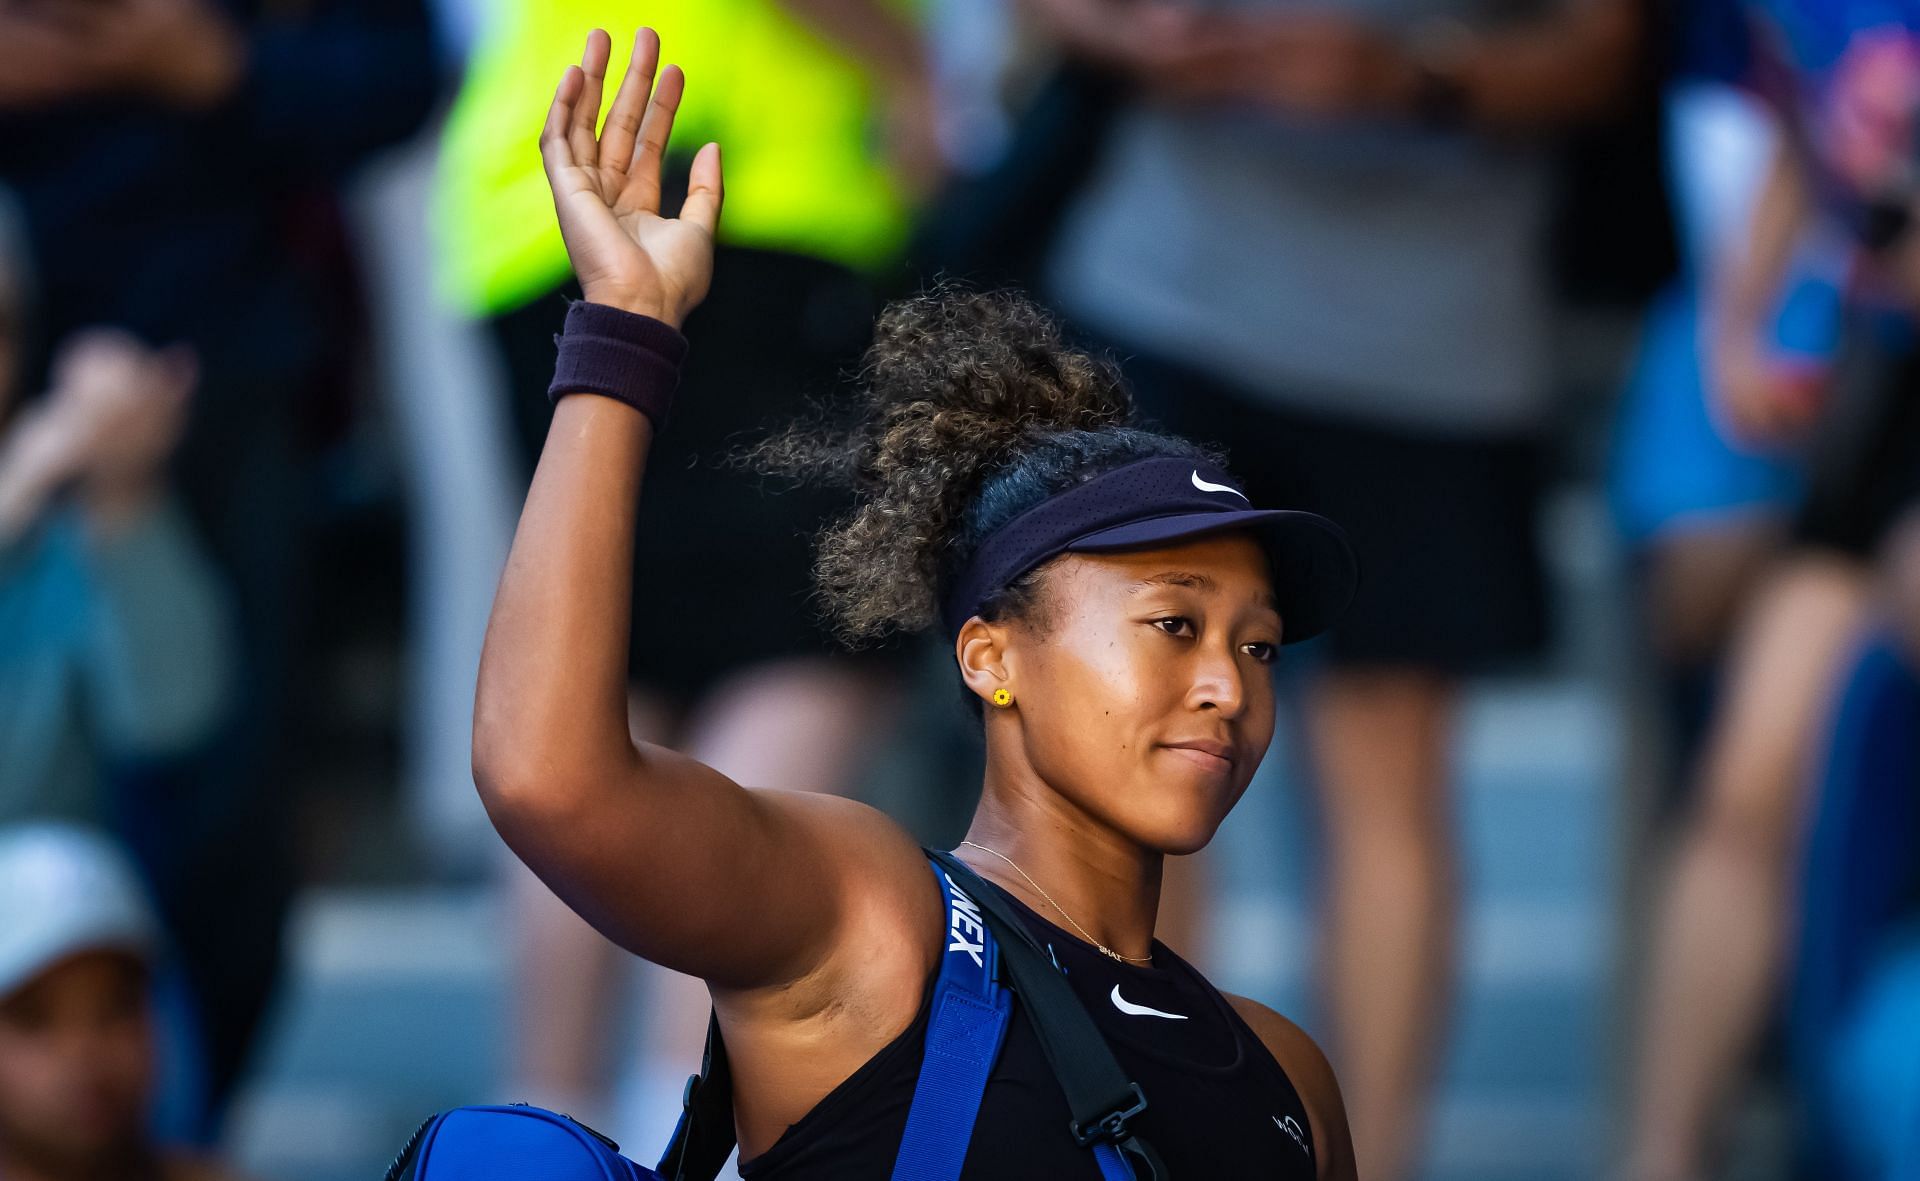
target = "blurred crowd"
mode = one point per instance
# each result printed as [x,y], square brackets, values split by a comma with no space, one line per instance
[278,288]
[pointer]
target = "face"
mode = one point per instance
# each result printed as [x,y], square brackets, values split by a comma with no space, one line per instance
[76,1061]
[1143,687]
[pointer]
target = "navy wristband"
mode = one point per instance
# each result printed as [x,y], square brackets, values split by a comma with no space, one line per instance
[630,358]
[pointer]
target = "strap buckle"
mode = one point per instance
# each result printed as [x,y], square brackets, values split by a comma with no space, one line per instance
[1110,1128]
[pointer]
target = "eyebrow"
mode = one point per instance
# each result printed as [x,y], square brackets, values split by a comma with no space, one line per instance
[1175,578]
[1195,581]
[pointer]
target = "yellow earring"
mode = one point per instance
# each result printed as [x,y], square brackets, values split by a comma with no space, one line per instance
[1002,698]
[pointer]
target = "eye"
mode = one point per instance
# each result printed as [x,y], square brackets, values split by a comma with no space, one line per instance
[1175,625]
[1263,652]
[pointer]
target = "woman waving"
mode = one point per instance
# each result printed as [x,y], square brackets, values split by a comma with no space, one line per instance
[1113,603]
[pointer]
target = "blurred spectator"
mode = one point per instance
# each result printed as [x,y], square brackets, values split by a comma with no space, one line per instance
[114,641]
[175,161]
[1843,81]
[114,635]
[1703,512]
[77,1050]
[1318,239]
[825,111]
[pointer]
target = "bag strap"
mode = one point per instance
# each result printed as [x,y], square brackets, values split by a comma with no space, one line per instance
[705,1136]
[1102,1099]
[968,1021]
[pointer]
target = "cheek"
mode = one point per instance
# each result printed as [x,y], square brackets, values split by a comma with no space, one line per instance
[33,1078]
[1099,697]
[1082,728]
[126,1062]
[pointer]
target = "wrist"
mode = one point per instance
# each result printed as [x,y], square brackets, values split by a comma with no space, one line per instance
[650,305]
[47,443]
[37,457]
[628,356]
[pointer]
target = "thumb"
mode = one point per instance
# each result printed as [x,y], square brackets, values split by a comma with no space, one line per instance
[705,190]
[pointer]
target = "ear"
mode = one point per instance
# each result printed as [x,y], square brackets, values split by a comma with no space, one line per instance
[981,652]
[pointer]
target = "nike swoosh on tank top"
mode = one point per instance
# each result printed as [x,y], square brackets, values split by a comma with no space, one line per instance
[1219,1104]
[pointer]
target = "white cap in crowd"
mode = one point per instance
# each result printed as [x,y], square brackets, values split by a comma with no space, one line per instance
[66,890]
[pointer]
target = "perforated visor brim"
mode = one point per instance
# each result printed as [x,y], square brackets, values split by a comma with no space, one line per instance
[1315,571]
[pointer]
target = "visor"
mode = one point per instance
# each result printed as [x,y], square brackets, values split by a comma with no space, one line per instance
[1161,501]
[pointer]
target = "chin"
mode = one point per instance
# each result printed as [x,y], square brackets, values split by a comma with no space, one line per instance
[1175,835]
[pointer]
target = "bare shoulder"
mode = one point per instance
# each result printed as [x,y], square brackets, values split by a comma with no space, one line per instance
[887,902]
[1312,1077]
[870,851]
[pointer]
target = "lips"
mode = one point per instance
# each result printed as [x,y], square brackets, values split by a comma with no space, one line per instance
[1205,753]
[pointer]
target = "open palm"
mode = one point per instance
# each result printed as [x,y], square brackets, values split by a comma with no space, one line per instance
[606,187]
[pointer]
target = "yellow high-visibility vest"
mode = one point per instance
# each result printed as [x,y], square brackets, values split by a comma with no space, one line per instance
[796,120]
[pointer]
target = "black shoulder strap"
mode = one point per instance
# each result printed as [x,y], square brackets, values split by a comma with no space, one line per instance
[1101,1097]
[705,1137]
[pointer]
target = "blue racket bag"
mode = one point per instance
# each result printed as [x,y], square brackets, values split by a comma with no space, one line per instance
[512,1141]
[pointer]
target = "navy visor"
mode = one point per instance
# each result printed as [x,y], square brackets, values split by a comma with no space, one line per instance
[1161,501]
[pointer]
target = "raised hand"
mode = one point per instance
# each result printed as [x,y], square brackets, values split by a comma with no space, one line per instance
[125,404]
[606,187]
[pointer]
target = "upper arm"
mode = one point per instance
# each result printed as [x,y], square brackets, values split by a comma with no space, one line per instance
[743,888]
[1312,1077]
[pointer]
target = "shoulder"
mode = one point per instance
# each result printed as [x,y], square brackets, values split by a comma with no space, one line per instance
[887,902]
[1312,1076]
[868,854]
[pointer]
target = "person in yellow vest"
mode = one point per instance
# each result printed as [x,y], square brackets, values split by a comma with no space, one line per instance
[825,109]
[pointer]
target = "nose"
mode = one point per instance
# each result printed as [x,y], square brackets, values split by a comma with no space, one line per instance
[1219,682]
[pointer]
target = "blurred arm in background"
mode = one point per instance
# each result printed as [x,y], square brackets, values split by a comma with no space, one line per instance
[1750,391]
[116,641]
[335,83]
[1567,66]
[893,51]
[159,646]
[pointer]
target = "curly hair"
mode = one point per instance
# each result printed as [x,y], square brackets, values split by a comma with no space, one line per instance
[972,408]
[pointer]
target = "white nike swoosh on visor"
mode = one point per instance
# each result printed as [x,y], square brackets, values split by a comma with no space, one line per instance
[1132,1010]
[1206,487]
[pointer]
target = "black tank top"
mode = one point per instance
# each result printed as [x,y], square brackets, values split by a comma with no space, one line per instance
[1218,1103]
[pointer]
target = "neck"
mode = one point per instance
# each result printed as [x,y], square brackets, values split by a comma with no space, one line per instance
[1096,877]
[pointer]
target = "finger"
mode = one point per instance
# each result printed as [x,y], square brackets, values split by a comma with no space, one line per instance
[705,190]
[643,179]
[586,112]
[630,103]
[555,150]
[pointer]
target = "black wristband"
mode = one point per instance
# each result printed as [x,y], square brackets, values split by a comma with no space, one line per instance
[630,358]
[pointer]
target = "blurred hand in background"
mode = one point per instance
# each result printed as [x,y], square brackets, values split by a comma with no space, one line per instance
[185,53]
[108,425]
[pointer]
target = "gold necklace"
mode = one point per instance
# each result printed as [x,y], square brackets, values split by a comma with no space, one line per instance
[1104,949]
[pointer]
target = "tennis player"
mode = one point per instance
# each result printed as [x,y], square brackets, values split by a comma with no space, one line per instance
[1114,605]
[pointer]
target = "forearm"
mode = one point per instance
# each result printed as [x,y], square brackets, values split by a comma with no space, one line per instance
[1572,67]
[875,34]
[1747,282]
[550,709]
[36,458]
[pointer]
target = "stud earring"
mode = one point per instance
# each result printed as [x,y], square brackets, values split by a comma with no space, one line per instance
[1002,698]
